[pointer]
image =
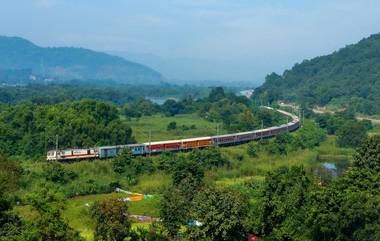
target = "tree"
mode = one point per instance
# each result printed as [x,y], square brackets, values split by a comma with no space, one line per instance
[10,172]
[309,136]
[278,213]
[189,169]
[172,107]
[222,214]
[10,224]
[55,172]
[112,222]
[122,160]
[216,94]
[208,158]
[174,210]
[368,155]
[172,126]
[351,134]
[348,209]
[49,224]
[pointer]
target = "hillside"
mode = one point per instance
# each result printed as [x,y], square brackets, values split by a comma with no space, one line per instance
[349,77]
[19,56]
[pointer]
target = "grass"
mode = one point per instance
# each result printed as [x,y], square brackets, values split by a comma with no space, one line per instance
[255,168]
[77,211]
[157,125]
[375,130]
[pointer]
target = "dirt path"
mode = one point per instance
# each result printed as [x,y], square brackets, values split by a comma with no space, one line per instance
[323,110]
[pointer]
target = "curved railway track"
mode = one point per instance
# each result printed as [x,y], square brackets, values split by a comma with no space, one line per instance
[178,145]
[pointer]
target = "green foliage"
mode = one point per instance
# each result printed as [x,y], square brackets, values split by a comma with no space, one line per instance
[252,149]
[209,158]
[309,136]
[49,224]
[154,232]
[278,213]
[216,94]
[174,210]
[122,160]
[10,224]
[222,214]
[172,107]
[10,173]
[112,222]
[349,76]
[55,172]
[30,130]
[172,126]
[347,209]
[140,108]
[368,155]
[188,169]
[351,134]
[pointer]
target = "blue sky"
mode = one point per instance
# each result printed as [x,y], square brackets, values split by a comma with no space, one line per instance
[230,40]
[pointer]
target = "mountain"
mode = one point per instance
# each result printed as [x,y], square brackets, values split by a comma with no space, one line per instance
[71,63]
[347,78]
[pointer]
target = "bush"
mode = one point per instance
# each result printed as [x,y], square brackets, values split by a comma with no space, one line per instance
[351,134]
[172,126]
[252,149]
[55,172]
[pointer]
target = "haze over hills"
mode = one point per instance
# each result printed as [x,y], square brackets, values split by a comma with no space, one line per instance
[19,56]
[349,77]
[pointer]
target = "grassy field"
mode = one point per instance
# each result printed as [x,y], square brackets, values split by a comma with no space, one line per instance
[157,125]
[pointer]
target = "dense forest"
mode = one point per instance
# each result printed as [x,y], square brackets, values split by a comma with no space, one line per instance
[349,78]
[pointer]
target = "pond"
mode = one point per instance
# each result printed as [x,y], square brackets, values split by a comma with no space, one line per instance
[331,168]
[160,100]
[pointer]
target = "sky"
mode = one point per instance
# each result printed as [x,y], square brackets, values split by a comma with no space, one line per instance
[227,40]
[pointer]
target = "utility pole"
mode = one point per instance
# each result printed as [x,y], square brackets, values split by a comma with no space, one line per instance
[217,129]
[150,142]
[56,143]
[287,123]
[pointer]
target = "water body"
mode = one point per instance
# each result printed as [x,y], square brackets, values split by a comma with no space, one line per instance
[329,170]
[160,100]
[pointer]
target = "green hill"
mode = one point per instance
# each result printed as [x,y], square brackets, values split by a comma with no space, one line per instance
[349,77]
[70,63]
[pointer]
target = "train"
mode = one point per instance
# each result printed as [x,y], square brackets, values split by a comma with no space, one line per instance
[177,145]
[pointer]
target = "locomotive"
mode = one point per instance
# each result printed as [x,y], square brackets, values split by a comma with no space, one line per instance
[177,145]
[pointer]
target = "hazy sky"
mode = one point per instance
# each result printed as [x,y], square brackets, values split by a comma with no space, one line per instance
[215,39]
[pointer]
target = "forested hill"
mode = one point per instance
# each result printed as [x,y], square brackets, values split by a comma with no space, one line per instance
[19,57]
[349,77]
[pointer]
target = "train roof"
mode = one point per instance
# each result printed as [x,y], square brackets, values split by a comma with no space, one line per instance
[179,140]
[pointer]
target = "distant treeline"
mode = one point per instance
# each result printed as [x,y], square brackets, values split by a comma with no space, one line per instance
[117,94]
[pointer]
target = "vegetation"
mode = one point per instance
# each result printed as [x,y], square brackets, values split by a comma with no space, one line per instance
[111,220]
[348,78]
[273,188]
[32,129]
